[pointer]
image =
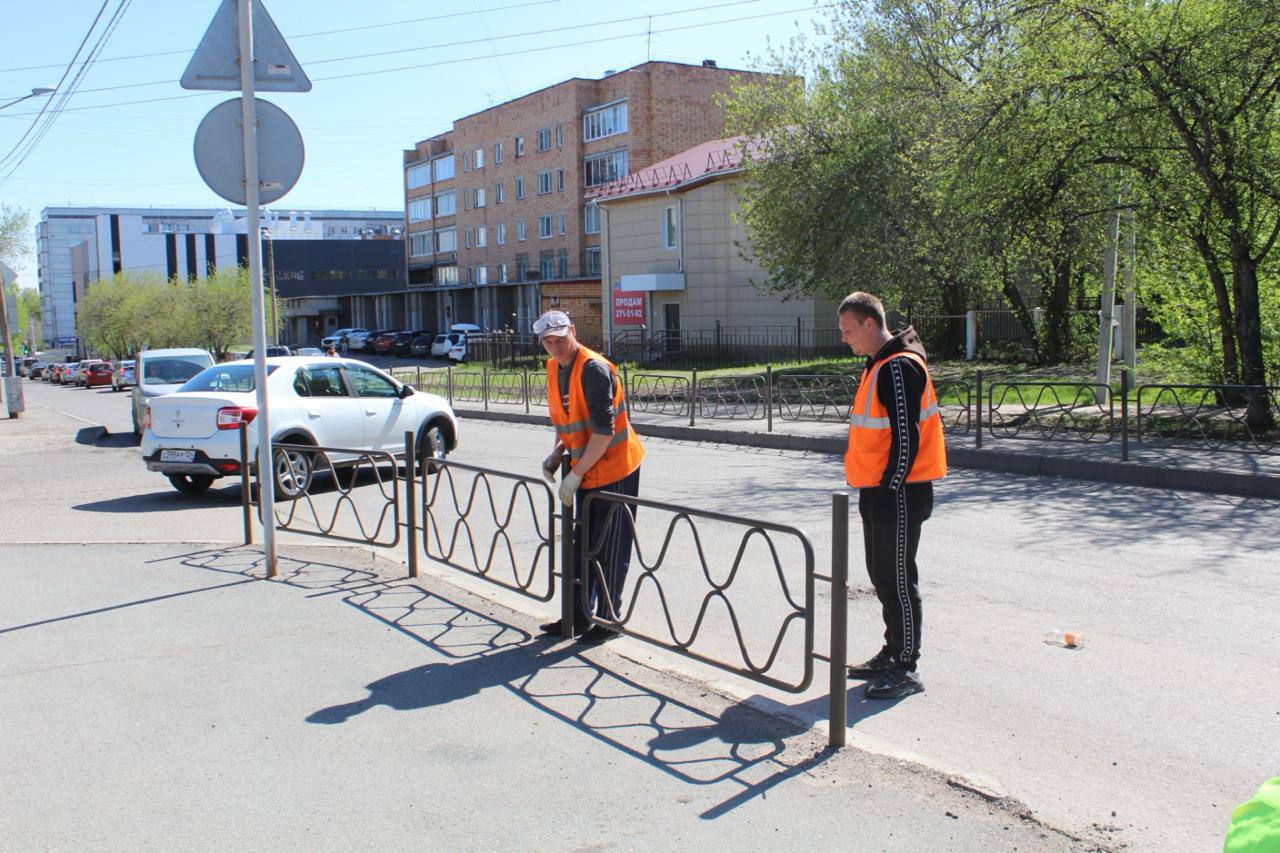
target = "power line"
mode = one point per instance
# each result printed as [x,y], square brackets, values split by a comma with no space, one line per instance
[479,58]
[311,63]
[305,35]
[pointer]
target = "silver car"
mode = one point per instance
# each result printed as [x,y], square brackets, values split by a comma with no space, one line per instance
[162,371]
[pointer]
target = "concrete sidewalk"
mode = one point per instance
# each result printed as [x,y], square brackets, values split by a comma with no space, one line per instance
[163,696]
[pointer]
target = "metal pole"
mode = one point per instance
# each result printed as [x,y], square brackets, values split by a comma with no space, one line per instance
[693,395]
[626,392]
[524,379]
[568,588]
[244,483]
[1124,415]
[838,696]
[271,267]
[484,386]
[448,383]
[10,365]
[411,498]
[977,410]
[1129,316]
[768,397]
[249,119]
[1106,310]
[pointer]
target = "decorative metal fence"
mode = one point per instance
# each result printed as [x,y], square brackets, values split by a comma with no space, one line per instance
[737,397]
[658,394]
[817,397]
[1210,417]
[1050,410]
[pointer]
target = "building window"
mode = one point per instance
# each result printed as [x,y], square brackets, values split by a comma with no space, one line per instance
[482,236]
[418,175]
[522,267]
[544,226]
[562,263]
[559,180]
[602,168]
[446,203]
[591,218]
[593,260]
[497,153]
[604,121]
[520,230]
[442,168]
[519,140]
[544,139]
[670,227]
[498,196]
[477,158]
[447,275]
[519,187]
[502,273]
[482,275]
[468,237]
[544,183]
[420,209]
[559,135]
[466,167]
[502,233]
[420,244]
[546,264]
[560,223]
[478,196]
[447,240]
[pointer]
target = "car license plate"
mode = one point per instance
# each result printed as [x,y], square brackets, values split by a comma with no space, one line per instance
[177,456]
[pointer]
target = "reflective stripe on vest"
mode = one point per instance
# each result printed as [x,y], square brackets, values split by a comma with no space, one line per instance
[867,455]
[624,451]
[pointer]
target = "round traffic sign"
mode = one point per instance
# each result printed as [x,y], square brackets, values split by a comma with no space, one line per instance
[219,150]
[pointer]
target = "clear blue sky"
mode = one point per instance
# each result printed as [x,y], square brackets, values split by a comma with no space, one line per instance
[139,154]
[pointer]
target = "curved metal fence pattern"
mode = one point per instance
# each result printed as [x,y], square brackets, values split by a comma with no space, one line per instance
[1207,417]
[731,397]
[1050,410]
[355,469]
[659,394]
[799,606]
[816,397]
[506,387]
[955,401]
[450,515]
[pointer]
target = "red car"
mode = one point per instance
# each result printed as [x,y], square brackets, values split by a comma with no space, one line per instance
[382,343]
[96,373]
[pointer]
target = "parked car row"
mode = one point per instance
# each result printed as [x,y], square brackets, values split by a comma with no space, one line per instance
[405,342]
[86,373]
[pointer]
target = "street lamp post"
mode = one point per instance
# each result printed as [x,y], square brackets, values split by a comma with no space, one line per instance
[35,93]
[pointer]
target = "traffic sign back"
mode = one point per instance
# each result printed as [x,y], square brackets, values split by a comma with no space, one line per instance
[215,64]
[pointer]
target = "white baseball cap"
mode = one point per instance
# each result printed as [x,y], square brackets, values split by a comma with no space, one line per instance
[552,324]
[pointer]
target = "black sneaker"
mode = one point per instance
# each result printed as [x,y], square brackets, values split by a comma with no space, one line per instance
[878,665]
[597,634]
[895,684]
[554,627]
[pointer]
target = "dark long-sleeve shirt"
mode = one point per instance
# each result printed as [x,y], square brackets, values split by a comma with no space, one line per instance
[597,388]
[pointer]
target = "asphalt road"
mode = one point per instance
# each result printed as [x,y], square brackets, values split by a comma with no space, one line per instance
[1147,736]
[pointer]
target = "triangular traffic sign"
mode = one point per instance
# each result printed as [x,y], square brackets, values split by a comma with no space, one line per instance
[215,64]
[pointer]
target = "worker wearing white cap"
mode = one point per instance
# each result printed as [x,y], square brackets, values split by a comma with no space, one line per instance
[587,404]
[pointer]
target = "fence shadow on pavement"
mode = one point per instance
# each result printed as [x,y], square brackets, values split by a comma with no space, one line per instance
[742,747]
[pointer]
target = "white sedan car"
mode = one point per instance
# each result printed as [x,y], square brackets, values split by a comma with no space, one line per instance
[191,436]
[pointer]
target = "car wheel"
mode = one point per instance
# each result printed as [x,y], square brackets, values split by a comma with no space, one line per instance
[294,470]
[191,484]
[432,447]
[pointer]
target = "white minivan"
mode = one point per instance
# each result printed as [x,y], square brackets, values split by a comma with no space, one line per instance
[162,371]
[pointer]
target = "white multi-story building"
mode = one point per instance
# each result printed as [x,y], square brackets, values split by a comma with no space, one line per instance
[77,245]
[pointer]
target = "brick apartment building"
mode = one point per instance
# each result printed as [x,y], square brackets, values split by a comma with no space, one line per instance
[498,225]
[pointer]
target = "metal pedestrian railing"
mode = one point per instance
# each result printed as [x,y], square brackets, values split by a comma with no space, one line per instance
[501,527]
[658,394]
[1210,417]
[736,397]
[816,397]
[1050,410]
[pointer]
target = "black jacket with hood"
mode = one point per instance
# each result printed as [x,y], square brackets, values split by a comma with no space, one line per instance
[899,387]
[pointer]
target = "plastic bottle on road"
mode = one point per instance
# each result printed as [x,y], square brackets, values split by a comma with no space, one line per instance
[1066,639]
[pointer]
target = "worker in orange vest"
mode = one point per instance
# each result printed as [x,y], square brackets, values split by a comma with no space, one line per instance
[896,451]
[588,410]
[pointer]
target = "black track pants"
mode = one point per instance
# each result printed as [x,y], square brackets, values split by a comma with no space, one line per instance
[610,552]
[890,534]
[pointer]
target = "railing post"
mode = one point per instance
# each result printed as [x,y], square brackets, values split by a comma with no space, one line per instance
[411,498]
[244,483]
[524,379]
[768,397]
[448,383]
[977,410]
[1124,414]
[970,335]
[838,696]
[484,386]
[626,391]
[568,588]
[417,379]
[693,395]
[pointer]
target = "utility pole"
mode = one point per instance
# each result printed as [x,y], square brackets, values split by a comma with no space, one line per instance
[13,400]
[271,273]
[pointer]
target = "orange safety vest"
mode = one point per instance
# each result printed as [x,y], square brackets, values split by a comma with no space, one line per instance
[573,425]
[869,439]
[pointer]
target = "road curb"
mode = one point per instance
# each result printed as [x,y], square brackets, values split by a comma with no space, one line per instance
[1030,464]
